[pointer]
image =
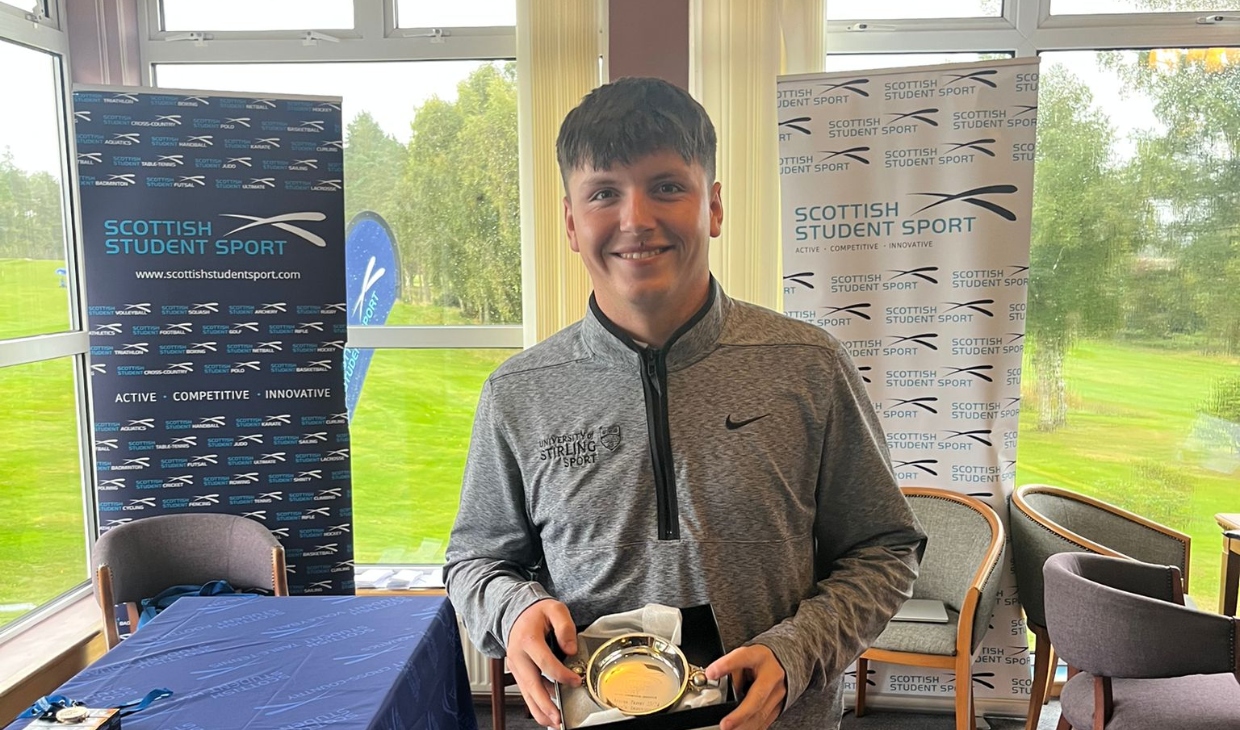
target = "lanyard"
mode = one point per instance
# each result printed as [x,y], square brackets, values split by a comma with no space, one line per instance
[45,708]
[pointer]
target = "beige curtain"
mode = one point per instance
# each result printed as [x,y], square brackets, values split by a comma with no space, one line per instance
[738,47]
[558,52]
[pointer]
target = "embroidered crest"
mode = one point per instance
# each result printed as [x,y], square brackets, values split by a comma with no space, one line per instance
[609,437]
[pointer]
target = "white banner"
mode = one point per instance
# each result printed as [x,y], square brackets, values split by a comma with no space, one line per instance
[906,199]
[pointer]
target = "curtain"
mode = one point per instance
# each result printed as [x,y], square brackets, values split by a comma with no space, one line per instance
[558,61]
[738,47]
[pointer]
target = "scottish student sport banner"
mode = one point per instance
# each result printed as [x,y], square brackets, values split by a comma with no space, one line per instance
[906,199]
[213,228]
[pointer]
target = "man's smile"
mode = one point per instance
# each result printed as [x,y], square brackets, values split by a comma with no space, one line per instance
[645,253]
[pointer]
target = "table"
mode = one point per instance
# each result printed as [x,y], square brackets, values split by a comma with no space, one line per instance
[1231,564]
[289,663]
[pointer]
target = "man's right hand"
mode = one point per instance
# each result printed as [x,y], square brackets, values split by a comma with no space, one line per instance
[530,658]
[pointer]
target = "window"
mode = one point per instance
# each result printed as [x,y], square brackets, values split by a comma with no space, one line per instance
[431,147]
[34,293]
[1132,384]
[410,434]
[905,9]
[1088,7]
[193,15]
[467,13]
[863,61]
[43,537]
[1131,380]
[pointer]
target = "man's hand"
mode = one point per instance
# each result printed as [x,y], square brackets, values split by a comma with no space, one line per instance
[530,658]
[757,672]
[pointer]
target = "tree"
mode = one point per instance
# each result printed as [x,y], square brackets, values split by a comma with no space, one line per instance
[31,222]
[373,163]
[1191,169]
[1088,219]
[458,219]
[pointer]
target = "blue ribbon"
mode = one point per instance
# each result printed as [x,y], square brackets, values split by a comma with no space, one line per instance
[45,708]
[145,702]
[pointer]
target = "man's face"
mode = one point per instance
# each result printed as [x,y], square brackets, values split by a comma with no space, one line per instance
[643,232]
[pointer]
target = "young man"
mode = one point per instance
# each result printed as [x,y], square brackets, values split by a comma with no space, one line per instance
[676,446]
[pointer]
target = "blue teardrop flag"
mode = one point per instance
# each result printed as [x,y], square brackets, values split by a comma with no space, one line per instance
[373,275]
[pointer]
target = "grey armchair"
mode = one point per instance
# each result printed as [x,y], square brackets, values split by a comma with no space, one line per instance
[1140,660]
[1045,521]
[140,559]
[964,549]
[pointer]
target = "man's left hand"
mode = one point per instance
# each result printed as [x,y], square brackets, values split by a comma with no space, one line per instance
[757,672]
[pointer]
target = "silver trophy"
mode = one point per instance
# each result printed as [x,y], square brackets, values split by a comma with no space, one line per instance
[639,674]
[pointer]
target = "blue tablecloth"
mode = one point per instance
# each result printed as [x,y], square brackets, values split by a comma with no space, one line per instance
[289,663]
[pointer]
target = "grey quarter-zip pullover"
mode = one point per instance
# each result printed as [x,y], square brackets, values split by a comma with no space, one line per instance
[741,465]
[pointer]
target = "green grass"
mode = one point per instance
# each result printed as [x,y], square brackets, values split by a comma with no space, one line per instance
[409,437]
[32,302]
[1127,441]
[42,540]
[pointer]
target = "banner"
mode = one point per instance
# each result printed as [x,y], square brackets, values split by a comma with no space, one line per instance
[213,229]
[906,199]
[374,284]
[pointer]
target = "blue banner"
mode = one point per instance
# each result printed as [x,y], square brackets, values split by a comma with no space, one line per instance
[214,248]
[374,282]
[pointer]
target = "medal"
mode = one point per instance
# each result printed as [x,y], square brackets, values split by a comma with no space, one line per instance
[72,715]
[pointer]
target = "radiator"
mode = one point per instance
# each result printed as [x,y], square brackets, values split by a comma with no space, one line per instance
[478,665]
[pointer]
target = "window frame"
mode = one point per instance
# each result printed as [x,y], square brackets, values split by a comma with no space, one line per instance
[46,15]
[42,33]
[373,37]
[1027,28]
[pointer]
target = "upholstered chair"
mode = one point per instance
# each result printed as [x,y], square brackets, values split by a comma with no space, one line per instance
[140,559]
[1138,658]
[1045,521]
[961,568]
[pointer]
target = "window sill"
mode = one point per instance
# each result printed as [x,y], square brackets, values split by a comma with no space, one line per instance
[45,654]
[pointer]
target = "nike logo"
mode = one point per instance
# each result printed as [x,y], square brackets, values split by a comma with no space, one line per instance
[733,425]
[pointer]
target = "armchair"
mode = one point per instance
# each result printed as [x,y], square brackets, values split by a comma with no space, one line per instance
[964,549]
[1140,660]
[1045,521]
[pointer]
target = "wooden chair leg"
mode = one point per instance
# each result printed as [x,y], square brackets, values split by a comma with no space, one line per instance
[1050,676]
[863,668]
[1043,661]
[964,695]
[497,693]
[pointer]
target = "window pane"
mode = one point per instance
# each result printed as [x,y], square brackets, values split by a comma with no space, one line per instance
[250,15]
[34,298]
[42,538]
[1131,387]
[410,434]
[897,9]
[430,146]
[1090,7]
[463,13]
[859,61]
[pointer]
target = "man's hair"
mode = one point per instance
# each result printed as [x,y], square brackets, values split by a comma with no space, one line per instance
[631,118]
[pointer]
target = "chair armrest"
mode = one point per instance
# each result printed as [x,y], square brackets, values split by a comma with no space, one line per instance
[1155,638]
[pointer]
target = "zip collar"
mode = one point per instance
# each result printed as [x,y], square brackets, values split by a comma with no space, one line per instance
[692,341]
